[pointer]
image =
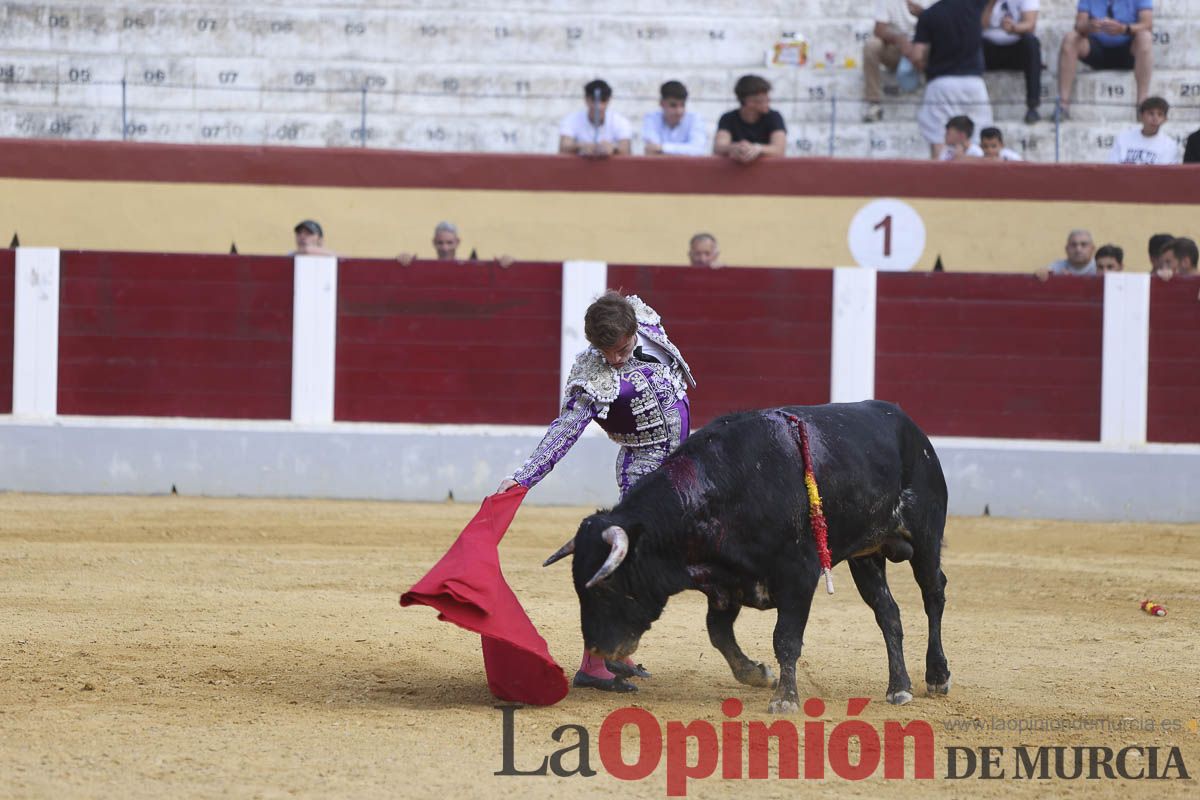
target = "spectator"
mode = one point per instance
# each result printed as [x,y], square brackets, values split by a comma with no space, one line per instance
[1155,246]
[1009,43]
[1147,144]
[593,132]
[958,140]
[1191,153]
[1079,259]
[673,130]
[310,239]
[1110,258]
[752,130]
[445,245]
[887,45]
[991,141]
[703,251]
[947,46]
[1179,259]
[1108,35]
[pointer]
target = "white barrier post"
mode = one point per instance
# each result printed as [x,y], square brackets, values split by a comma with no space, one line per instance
[582,283]
[35,332]
[1126,360]
[852,367]
[314,338]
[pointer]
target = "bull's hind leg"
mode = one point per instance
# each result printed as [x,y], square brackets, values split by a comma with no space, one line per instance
[793,608]
[928,572]
[720,633]
[871,579]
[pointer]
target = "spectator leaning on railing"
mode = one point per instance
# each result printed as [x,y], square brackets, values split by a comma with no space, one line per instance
[1079,260]
[310,239]
[672,130]
[703,251]
[1108,35]
[594,131]
[1191,153]
[753,129]
[1110,258]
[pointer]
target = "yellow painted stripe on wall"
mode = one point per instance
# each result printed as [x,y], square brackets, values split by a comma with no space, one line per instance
[770,231]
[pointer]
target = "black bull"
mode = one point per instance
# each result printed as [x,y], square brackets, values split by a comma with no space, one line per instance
[728,514]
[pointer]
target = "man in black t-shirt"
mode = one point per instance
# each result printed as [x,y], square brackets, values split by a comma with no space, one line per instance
[948,46]
[1191,153]
[753,130]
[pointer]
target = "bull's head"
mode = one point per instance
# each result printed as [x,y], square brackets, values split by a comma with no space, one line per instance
[617,600]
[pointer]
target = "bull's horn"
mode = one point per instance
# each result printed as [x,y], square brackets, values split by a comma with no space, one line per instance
[618,540]
[561,553]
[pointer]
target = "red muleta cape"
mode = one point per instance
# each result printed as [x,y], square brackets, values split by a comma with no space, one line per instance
[468,588]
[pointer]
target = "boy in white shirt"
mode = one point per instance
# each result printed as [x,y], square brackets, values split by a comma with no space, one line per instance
[991,142]
[1147,144]
[958,140]
[593,132]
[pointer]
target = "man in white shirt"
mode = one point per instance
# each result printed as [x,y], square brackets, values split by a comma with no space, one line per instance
[593,132]
[673,130]
[894,24]
[1009,43]
[1147,144]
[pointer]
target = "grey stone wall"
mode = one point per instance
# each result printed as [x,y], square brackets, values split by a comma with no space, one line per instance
[495,76]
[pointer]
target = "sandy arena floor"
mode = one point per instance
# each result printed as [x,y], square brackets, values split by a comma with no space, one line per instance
[177,647]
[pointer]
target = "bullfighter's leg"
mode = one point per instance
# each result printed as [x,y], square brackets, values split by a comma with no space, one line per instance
[720,633]
[793,605]
[870,577]
[928,572]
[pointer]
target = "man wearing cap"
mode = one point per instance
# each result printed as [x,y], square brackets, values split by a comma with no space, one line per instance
[310,239]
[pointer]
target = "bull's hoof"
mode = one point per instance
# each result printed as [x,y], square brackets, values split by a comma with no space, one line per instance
[585,681]
[781,706]
[935,689]
[899,698]
[759,675]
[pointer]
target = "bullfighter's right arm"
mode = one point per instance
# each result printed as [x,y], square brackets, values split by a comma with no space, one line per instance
[577,412]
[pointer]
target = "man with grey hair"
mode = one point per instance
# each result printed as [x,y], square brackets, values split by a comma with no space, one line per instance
[1080,258]
[445,244]
[445,241]
[703,251]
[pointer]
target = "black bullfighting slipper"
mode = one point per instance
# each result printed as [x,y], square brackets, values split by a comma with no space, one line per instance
[623,670]
[583,680]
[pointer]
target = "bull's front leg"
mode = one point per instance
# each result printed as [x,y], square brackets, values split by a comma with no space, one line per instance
[789,638]
[721,617]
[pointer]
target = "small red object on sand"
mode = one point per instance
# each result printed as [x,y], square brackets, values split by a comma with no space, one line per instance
[468,588]
[1153,608]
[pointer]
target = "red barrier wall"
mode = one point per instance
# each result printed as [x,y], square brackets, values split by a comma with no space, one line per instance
[753,338]
[992,355]
[447,343]
[175,335]
[8,264]
[1173,402]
